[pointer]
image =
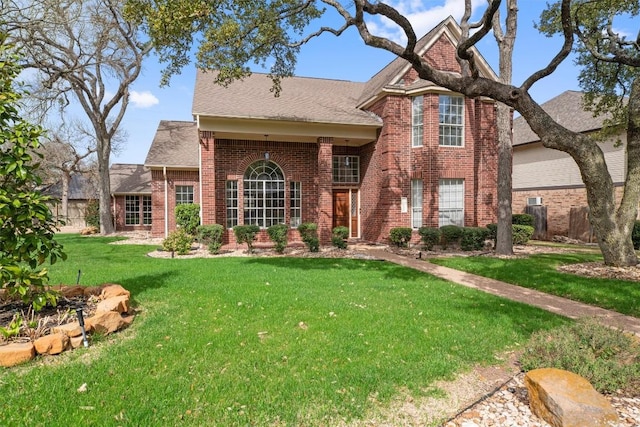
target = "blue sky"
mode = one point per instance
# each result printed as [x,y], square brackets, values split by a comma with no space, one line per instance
[347,58]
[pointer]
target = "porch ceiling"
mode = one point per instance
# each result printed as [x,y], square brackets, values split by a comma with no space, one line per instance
[287,130]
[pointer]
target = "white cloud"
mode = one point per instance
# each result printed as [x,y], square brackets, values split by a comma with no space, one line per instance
[143,99]
[423,15]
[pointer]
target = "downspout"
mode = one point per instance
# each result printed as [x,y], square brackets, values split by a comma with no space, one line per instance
[166,202]
[200,168]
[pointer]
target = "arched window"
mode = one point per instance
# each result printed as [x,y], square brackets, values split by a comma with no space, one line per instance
[264,196]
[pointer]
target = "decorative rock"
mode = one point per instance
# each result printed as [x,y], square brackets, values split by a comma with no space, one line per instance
[71,291]
[564,399]
[106,322]
[119,304]
[52,344]
[70,329]
[76,342]
[16,353]
[92,290]
[112,290]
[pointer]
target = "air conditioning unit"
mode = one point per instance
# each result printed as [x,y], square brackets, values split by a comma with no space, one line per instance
[534,201]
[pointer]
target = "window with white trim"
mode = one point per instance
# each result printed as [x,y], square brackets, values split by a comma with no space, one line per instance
[417,121]
[184,194]
[131,210]
[146,210]
[346,169]
[451,202]
[416,203]
[295,204]
[232,203]
[264,194]
[451,119]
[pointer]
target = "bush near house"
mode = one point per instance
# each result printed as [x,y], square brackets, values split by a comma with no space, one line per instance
[430,237]
[339,237]
[522,219]
[278,233]
[211,236]
[635,235]
[92,213]
[473,238]
[188,217]
[178,241]
[522,234]
[450,235]
[400,236]
[309,235]
[246,234]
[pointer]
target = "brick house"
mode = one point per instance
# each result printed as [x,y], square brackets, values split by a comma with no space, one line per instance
[551,178]
[393,151]
[130,197]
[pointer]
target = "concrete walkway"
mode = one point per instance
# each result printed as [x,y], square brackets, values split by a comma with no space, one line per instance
[558,305]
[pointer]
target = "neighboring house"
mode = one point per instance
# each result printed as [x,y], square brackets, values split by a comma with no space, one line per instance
[81,190]
[131,197]
[395,151]
[551,178]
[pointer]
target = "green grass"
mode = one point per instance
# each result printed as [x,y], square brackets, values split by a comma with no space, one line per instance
[219,341]
[539,272]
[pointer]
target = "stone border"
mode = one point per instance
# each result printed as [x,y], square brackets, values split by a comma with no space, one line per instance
[112,313]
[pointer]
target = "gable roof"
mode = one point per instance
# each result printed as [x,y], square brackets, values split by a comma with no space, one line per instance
[389,78]
[175,144]
[567,109]
[302,99]
[129,179]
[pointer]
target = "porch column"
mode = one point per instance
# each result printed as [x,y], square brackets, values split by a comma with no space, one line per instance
[325,199]
[208,202]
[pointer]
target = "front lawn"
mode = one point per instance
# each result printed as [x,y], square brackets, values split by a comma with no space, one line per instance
[260,341]
[539,272]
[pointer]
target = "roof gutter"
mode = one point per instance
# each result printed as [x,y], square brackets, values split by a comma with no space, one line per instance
[166,202]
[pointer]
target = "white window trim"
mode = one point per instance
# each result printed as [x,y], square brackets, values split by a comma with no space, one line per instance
[461,126]
[448,183]
[417,121]
[417,198]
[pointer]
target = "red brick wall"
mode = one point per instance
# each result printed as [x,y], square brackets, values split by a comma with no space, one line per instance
[118,205]
[158,182]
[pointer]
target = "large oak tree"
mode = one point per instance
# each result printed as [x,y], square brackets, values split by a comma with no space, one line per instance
[86,53]
[231,34]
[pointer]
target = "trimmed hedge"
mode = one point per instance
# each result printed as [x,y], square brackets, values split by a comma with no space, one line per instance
[309,235]
[246,234]
[522,234]
[339,237]
[523,219]
[188,217]
[450,234]
[278,233]
[430,237]
[473,238]
[210,235]
[400,236]
[178,241]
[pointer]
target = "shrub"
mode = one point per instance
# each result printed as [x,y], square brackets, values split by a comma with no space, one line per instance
[178,241]
[400,236]
[635,235]
[430,236]
[339,237]
[473,238]
[92,213]
[278,233]
[522,219]
[522,234]
[211,236]
[450,234]
[188,217]
[608,358]
[493,232]
[246,234]
[309,235]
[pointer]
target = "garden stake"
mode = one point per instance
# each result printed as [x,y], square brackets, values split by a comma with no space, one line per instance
[81,321]
[78,279]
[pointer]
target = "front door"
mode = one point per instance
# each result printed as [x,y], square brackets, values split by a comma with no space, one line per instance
[345,210]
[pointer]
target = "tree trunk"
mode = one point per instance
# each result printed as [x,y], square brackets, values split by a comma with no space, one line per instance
[104,190]
[504,237]
[64,197]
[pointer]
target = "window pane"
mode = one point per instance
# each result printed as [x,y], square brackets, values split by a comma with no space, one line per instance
[132,210]
[295,203]
[232,203]
[346,169]
[451,118]
[417,121]
[184,194]
[264,194]
[416,203]
[146,210]
[451,202]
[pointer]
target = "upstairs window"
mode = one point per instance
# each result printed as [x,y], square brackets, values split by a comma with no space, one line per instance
[451,118]
[417,121]
[346,169]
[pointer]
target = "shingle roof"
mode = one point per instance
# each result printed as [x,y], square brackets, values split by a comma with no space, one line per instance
[80,188]
[302,99]
[175,144]
[567,109]
[129,179]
